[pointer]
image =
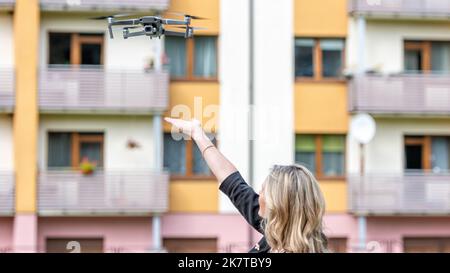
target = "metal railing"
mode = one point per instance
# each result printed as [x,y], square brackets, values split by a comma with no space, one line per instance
[7,4]
[104,5]
[95,89]
[7,193]
[436,9]
[102,193]
[400,94]
[6,90]
[410,193]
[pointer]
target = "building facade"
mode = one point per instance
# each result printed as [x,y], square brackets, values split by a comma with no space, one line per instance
[73,100]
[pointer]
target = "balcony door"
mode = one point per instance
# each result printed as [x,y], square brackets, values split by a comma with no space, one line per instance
[417,153]
[426,56]
[427,153]
[75,49]
[86,86]
[67,150]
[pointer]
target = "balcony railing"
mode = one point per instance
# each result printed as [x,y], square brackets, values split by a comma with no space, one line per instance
[434,9]
[104,5]
[94,89]
[412,193]
[7,193]
[103,193]
[6,90]
[7,4]
[401,94]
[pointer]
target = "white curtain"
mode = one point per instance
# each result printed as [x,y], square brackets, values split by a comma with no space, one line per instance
[205,63]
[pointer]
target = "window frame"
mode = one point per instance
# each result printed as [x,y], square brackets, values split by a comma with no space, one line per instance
[317,62]
[190,57]
[318,139]
[190,175]
[76,41]
[76,138]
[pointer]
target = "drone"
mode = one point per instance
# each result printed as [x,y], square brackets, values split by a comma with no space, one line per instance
[151,26]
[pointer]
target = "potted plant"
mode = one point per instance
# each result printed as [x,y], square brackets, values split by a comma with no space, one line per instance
[87,167]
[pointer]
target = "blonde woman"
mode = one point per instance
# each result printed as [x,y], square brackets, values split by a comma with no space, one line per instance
[289,208]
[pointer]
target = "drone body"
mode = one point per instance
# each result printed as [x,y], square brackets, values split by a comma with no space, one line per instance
[151,26]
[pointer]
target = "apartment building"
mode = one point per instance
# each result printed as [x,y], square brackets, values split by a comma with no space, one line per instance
[71,98]
[400,56]
[73,101]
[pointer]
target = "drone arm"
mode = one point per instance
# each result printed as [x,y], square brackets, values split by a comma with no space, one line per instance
[175,33]
[125,22]
[110,32]
[134,34]
[174,22]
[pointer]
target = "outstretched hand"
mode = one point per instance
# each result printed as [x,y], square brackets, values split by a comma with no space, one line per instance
[191,128]
[219,165]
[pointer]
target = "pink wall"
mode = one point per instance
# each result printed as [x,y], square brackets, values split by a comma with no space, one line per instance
[232,229]
[127,233]
[390,231]
[6,233]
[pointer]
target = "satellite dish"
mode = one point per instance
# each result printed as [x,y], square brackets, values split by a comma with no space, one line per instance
[363,128]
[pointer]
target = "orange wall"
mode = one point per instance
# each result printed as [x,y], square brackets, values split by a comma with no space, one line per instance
[25,122]
[194,196]
[202,8]
[197,97]
[320,108]
[335,193]
[319,18]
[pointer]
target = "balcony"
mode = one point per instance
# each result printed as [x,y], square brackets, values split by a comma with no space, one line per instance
[407,9]
[415,193]
[64,89]
[7,193]
[103,5]
[7,4]
[102,193]
[6,90]
[402,94]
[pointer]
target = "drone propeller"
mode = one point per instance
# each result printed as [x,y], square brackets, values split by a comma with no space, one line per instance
[187,15]
[111,16]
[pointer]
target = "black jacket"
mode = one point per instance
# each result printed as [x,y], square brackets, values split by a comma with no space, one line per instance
[245,199]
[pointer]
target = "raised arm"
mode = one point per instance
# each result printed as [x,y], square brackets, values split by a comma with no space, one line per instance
[217,162]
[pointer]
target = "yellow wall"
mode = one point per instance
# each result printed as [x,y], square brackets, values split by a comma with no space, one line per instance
[194,196]
[26,38]
[320,108]
[335,193]
[201,94]
[202,8]
[320,18]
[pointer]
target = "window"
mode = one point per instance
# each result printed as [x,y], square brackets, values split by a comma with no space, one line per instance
[337,245]
[67,150]
[324,155]
[425,56]
[319,58]
[192,59]
[87,245]
[426,245]
[427,152]
[190,245]
[75,48]
[205,57]
[176,50]
[183,158]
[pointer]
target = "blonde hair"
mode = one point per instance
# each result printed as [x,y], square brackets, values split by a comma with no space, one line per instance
[294,210]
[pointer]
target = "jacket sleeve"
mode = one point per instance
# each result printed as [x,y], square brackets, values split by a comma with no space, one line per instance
[244,198]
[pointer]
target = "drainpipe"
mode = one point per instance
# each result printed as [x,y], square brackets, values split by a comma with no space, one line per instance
[362,221]
[158,153]
[251,114]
